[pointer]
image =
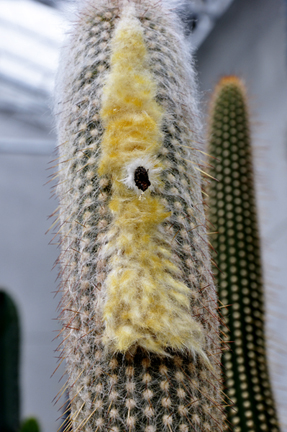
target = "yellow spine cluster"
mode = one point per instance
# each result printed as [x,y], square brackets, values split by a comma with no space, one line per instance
[146,303]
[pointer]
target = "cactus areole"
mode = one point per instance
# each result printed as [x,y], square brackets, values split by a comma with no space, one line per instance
[139,308]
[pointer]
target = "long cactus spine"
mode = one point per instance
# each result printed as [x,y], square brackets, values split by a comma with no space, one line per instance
[232,212]
[131,211]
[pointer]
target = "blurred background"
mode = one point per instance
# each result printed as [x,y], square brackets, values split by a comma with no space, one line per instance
[242,37]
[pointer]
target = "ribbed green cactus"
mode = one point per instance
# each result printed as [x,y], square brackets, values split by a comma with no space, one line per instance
[232,213]
[110,205]
[9,364]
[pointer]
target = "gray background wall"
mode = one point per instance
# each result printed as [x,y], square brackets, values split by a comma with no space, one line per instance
[248,40]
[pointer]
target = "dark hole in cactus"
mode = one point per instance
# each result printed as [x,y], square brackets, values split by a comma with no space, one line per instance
[192,21]
[141,178]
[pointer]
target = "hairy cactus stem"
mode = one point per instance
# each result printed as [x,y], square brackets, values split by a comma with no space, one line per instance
[139,307]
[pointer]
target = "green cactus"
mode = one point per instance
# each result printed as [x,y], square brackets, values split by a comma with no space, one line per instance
[30,425]
[9,364]
[136,390]
[233,215]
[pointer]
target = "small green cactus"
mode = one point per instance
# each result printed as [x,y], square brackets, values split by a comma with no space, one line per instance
[9,364]
[30,425]
[232,213]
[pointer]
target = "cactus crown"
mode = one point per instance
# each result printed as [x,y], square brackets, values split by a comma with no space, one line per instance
[30,425]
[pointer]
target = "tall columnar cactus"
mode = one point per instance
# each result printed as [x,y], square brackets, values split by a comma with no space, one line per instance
[9,364]
[139,308]
[232,213]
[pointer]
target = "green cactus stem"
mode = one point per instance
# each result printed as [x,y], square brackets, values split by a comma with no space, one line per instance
[9,364]
[31,424]
[178,390]
[233,215]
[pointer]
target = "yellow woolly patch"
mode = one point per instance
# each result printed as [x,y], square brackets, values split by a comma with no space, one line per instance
[146,303]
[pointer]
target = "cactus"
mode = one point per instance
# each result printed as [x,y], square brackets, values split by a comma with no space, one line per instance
[9,364]
[232,213]
[30,425]
[138,308]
